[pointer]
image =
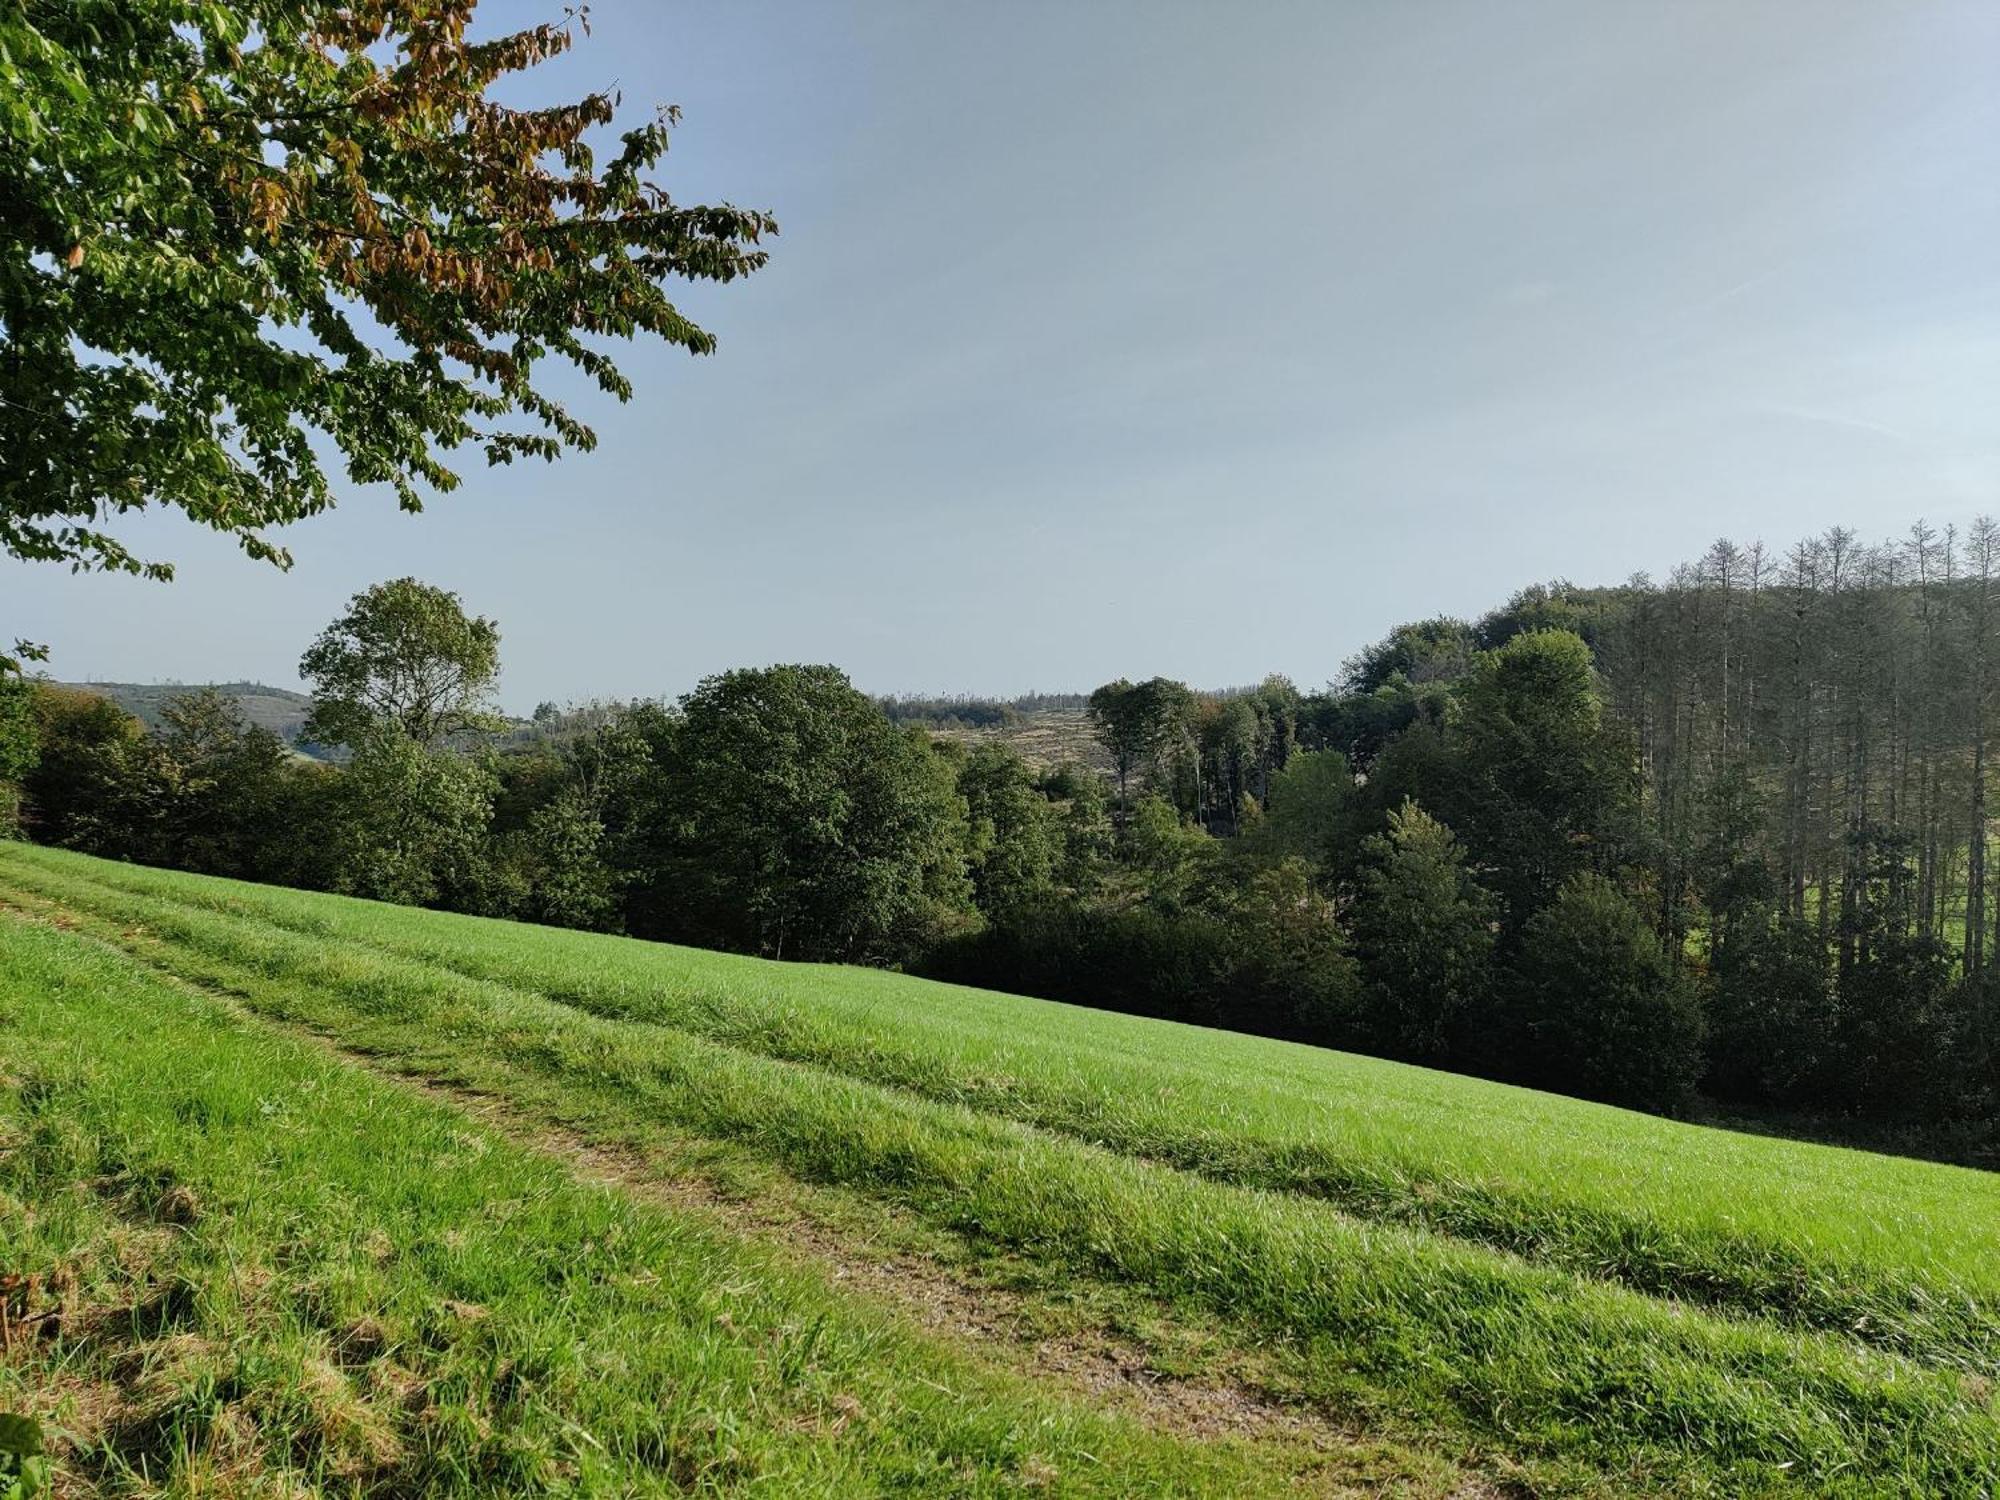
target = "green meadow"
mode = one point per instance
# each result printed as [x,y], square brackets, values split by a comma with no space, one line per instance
[238,1124]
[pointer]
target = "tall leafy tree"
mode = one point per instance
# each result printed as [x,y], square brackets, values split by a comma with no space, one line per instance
[1233,737]
[1309,811]
[1169,854]
[1544,781]
[241,237]
[97,781]
[412,821]
[227,792]
[1438,649]
[1897,1025]
[405,654]
[1083,814]
[1601,1011]
[1774,1020]
[568,882]
[1293,973]
[1136,722]
[1278,704]
[791,818]
[1015,838]
[1559,605]
[1423,935]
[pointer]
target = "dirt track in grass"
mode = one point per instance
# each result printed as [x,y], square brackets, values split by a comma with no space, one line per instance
[1008,1326]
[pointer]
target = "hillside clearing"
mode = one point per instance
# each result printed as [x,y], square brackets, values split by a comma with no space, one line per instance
[1343,1224]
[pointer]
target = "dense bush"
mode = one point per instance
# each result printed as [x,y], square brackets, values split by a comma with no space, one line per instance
[1423,932]
[1251,971]
[1774,1017]
[1897,1028]
[1598,1009]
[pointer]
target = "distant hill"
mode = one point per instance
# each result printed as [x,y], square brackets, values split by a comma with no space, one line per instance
[1045,729]
[279,710]
[1043,737]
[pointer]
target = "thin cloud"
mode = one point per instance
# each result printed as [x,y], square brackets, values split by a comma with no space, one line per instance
[1832,419]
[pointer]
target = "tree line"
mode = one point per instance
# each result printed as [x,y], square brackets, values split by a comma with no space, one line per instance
[1720,835]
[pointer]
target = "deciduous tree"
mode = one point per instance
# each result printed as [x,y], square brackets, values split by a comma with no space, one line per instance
[404,654]
[1600,1010]
[1135,721]
[1544,782]
[1423,935]
[412,821]
[793,819]
[239,238]
[1014,837]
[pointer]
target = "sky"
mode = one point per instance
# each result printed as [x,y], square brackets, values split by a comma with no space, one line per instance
[1205,340]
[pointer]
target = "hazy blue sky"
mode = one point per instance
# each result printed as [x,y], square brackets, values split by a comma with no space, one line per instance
[1209,340]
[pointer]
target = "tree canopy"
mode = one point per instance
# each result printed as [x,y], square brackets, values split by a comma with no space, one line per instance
[239,238]
[1423,935]
[1601,1008]
[404,654]
[796,821]
[1732,840]
[1135,720]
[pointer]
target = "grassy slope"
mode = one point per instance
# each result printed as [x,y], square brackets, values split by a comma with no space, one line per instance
[280,710]
[1147,1154]
[1908,1251]
[278,1271]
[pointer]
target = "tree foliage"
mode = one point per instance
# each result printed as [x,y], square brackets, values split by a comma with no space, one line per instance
[566,880]
[1423,934]
[1542,782]
[94,784]
[1435,650]
[415,821]
[1309,810]
[240,236]
[1014,834]
[794,819]
[19,749]
[226,800]
[1136,722]
[1775,1017]
[1601,1010]
[1750,798]
[404,654]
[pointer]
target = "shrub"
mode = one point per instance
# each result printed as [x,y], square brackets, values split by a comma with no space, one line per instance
[1599,1010]
[1774,1022]
[1423,933]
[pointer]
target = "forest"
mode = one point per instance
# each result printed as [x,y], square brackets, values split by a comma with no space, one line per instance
[1714,842]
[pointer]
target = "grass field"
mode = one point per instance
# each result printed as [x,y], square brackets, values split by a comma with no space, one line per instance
[1042,1247]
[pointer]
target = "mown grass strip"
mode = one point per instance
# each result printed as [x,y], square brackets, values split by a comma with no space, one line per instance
[1767,1228]
[258,1270]
[1396,1322]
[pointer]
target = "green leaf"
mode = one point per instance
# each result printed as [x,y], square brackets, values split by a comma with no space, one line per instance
[20,1436]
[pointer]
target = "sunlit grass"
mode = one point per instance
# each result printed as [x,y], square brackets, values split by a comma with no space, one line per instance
[1900,1252]
[1440,1251]
[273,1271]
